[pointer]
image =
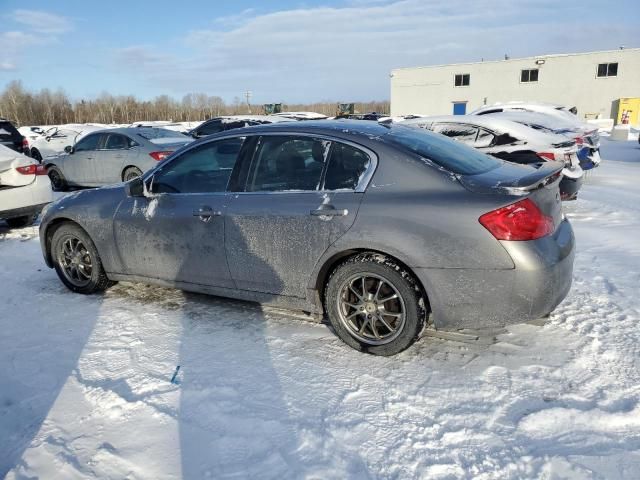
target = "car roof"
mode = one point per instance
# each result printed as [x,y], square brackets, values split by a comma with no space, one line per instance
[339,128]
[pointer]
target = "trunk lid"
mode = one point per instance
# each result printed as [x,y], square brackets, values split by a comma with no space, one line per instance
[539,182]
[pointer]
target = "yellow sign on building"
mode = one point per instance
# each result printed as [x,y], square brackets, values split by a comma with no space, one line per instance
[628,108]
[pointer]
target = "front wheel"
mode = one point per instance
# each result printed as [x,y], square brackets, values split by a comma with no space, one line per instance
[76,260]
[374,305]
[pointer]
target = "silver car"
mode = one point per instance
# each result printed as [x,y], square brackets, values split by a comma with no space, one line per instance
[384,228]
[111,156]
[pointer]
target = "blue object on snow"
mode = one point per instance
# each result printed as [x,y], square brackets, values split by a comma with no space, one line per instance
[175,374]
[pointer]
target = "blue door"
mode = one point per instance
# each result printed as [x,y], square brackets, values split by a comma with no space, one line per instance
[459,108]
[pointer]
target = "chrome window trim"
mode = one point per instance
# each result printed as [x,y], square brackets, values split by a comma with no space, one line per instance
[360,188]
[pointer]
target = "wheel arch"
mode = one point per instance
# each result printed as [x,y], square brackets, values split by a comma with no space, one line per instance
[50,230]
[335,260]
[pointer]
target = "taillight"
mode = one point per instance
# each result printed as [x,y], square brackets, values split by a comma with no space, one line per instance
[27,170]
[25,143]
[547,155]
[522,220]
[41,170]
[159,156]
[579,140]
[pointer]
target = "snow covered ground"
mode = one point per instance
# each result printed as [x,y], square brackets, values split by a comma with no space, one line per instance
[86,392]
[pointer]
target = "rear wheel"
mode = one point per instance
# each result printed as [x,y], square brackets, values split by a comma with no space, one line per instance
[20,222]
[58,182]
[373,305]
[76,260]
[131,173]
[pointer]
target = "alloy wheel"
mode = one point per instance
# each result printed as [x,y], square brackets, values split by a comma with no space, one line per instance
[371,309]
[75,261]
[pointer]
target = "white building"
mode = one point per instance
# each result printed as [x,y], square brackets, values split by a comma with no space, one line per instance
[592,82]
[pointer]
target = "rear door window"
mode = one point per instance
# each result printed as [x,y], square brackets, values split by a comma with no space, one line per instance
[115,141]
[346,167]
[453,156]
[283,163]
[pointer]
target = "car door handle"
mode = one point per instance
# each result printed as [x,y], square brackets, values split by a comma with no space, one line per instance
[329,211]
[205,213]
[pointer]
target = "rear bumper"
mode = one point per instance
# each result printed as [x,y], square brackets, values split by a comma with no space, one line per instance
[475,299]
[28,198]
[569,187]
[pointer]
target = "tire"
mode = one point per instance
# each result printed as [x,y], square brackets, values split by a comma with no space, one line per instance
[58,182]
[130,173]
[72,249]
[20,222]
[394,310]
[36,155]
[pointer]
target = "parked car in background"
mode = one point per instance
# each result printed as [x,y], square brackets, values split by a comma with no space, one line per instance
[52,141]
[30,133]
[363,116]
[510,141]
[301,115]
[557,119]
[553,109]
[222,124]
[378,226]
[111,156]
[11,138]
[24,188]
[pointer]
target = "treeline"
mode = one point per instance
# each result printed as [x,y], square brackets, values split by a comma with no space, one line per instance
[48,107]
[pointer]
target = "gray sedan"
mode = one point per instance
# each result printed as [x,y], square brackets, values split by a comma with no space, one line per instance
[111,156]
[383,228]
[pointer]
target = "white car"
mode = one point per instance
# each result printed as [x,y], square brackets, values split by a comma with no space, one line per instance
[510,141]
[24,188]
[559,118]
[53,140]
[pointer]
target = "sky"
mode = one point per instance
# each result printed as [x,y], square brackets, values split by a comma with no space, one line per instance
[284,51]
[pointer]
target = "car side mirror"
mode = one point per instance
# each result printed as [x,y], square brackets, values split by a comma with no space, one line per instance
[68,149]
[135,187]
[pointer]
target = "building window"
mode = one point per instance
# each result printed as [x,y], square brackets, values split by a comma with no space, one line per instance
[462,80]
[530,75]
[608,69]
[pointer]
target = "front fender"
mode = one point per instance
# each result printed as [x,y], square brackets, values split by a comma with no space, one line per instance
[93,211]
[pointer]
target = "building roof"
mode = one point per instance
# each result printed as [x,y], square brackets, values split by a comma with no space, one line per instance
[552,55]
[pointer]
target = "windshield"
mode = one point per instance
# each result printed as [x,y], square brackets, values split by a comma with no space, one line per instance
[153,133]
[453,156]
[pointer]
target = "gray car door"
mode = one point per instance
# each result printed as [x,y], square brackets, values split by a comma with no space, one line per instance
[300,194]
[78,166]
[176,233]
[111,159]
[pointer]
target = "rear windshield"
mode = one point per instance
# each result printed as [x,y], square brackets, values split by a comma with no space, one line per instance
[9,132]
[153,133]
[453,156]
